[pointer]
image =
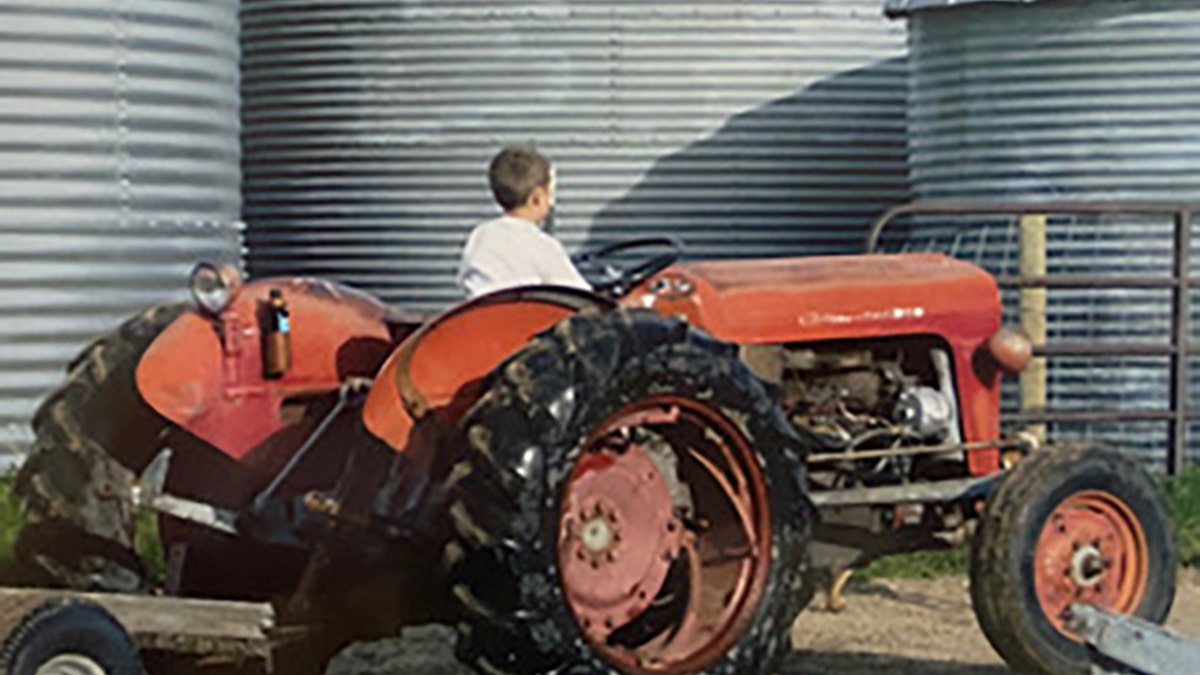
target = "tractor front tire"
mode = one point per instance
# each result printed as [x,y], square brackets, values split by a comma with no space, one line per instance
[595,420]
[1069,525]
[93,435]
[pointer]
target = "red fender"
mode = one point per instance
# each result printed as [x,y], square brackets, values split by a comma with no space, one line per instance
[439,368]
[205,374]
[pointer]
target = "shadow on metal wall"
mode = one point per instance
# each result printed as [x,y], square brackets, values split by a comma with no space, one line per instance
[801,175]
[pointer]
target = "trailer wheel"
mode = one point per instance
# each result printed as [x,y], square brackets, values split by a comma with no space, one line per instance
[70,638]
[93,434]
[1069,525]
[632,501]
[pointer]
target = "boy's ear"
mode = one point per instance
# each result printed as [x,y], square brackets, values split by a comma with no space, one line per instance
[538,197]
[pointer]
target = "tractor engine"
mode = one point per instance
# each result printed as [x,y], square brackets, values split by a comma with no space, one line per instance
[865,396]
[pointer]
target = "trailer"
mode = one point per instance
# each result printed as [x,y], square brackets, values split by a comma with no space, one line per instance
[52,632]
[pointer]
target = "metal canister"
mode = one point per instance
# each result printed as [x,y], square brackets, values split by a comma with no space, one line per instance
[277,337]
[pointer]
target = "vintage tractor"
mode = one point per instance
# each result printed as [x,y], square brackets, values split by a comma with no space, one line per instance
[654,478]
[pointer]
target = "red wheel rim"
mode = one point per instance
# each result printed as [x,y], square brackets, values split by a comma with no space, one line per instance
[1092,550]
[657,587]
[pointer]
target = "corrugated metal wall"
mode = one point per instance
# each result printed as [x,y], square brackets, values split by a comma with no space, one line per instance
[747,128]
[118,168]
[1068,99]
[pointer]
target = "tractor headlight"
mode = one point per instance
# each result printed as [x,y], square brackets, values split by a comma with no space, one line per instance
[213,286]
[1011,348]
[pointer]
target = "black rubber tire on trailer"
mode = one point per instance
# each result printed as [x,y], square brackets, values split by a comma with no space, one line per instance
[1005,550]
[525,435]
[81,636]
[94,435]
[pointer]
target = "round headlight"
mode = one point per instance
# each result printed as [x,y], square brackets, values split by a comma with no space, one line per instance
[213,287]
[1011,349]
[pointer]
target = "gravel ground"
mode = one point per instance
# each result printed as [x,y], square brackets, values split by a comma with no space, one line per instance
[904,627]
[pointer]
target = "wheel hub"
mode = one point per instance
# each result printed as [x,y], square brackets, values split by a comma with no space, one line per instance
[619,537]
[71,664]
[598,535]
[1091,550]
[1087,566]
[665,537]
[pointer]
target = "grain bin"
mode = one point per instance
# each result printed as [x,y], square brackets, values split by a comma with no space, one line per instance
[118,168]
[1091,100]
[748,128]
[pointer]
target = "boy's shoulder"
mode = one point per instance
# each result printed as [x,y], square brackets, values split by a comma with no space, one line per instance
[507,227]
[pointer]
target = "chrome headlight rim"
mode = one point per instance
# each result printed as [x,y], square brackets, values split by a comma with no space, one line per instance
[213,286]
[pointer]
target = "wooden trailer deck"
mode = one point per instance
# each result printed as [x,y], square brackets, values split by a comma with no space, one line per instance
[210,629]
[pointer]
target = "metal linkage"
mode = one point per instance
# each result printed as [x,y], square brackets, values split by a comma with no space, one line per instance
[1125,645]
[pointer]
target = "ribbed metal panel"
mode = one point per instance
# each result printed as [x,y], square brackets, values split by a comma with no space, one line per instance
[748,128]
[119,166]
[1059,100]
[898,8]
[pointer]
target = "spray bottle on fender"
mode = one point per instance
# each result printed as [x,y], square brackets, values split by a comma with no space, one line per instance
[277,337]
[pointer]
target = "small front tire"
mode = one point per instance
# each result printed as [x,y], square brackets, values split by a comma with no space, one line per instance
[1069,525]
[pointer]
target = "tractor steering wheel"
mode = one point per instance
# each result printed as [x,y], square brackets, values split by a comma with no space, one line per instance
[609,278]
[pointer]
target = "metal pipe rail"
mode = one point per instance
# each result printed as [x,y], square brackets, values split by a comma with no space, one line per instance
[1180,283]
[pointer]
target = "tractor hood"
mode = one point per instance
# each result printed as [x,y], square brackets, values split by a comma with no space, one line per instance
[822,298]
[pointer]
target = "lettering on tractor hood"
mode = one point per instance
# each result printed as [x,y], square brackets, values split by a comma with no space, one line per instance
[819,298]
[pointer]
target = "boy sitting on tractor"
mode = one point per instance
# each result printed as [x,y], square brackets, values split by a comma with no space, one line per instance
[515,249]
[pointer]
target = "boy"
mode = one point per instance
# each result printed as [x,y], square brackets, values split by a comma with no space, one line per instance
[513,250]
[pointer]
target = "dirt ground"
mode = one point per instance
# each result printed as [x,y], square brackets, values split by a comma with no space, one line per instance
[903,627]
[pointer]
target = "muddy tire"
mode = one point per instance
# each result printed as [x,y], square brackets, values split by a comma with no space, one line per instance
[93,435]
[545,428]
[1070,524]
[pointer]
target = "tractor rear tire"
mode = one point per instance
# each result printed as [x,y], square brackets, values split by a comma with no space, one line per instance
[1069,524]
[527,442]
[93,436]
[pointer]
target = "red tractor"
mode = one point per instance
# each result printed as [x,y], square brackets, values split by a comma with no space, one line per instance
[650,479]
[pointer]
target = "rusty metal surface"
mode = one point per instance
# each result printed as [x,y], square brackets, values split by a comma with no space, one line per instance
[119,168]
[746,129]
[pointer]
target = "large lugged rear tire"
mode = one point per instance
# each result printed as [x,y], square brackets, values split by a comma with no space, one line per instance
[623,471]
[93,435]
[1069,525]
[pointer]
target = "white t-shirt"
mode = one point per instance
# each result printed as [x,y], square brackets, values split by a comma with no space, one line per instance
[508,252]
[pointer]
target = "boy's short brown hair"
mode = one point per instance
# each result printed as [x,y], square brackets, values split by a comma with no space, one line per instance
[515,173]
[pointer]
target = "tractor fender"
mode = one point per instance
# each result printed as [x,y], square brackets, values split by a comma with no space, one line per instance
[205,373]
[439,369]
